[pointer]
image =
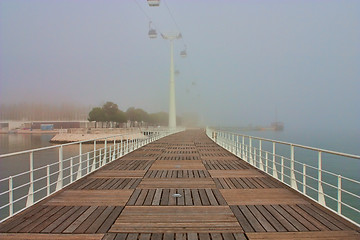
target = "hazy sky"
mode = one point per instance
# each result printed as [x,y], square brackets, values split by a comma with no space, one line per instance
[246,59]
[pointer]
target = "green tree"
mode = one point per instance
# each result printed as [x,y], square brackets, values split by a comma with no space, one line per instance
[111,111]
[97,114]
[120,117]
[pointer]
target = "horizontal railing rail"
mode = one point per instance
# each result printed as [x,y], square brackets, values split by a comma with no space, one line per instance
[67,163]
[335,191]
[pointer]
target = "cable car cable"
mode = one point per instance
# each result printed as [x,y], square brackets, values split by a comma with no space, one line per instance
[147,16]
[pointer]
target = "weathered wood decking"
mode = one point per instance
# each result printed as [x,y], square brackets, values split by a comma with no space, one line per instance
[222,197]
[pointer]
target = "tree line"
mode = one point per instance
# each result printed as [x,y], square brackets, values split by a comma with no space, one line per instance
[110,112]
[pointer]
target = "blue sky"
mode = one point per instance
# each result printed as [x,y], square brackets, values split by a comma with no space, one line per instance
[246,59]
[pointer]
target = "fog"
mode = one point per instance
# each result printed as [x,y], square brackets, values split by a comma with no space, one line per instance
[246,60]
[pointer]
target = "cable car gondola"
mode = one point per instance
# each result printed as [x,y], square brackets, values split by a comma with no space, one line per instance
[153,3]
[183,52]
[152,32]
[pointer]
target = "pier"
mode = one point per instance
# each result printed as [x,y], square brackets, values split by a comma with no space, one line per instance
[183,186]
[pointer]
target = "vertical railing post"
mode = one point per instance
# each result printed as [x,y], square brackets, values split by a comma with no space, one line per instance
[274,170]
[48,180]
[101,160]
[282,168]
[267,161]
[292,168]
[87,165]
[11,197]
[110,154]
[121,147]
[321,197]
[78,176]
[105,152]
[237,145]
[243,148]
[232,143]
[30,197]
[71,169]
[339,200]
[304,179]
[260,156]
[59,183]
[249,152]
[114,152]
[93,167]
[254,157]
[127,145]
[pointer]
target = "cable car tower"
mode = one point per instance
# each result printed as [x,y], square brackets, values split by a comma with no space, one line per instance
[172,106]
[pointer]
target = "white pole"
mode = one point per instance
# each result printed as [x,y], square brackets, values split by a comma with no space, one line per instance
[172,107]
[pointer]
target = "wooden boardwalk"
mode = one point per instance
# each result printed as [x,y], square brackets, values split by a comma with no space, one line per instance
[180,187]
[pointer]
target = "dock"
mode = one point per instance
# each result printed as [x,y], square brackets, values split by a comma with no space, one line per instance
[183,186]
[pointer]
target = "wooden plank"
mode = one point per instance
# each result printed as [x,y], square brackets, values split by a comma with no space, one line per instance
[188,197]
[31,220]
[172,200]
[141,199]
[251,219]
[134,196]
[75,224]
[309,218]
[157,197]
[332,235]
[66,218]
[280,218]
[261,196]
[272,220]
[177,165]
[211,197]
[144,236]
[37,236]
[20,217]
[109,221]
[240,236]
[99,220]
[181,200]
[37,221]
[149,197]
[239,173]
[304,221]
[118,174]
[91,197]
[165,197]
[196,197]
[321,218]
[89,221]
[220,199]
[261,219]
[179,219]
[148,183]
[203,197]
[290,218]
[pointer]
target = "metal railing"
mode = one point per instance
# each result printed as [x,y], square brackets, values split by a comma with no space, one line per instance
[339,193]
[60,165]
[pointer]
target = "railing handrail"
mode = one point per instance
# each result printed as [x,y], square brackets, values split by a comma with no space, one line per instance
[295,145]
[68,144]
[63,175]
[293,171]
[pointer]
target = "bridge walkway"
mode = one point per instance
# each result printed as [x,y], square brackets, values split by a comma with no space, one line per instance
[183,187]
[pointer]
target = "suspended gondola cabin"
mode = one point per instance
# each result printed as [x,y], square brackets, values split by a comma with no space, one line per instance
[183,52]
[153,3]
[152,32]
